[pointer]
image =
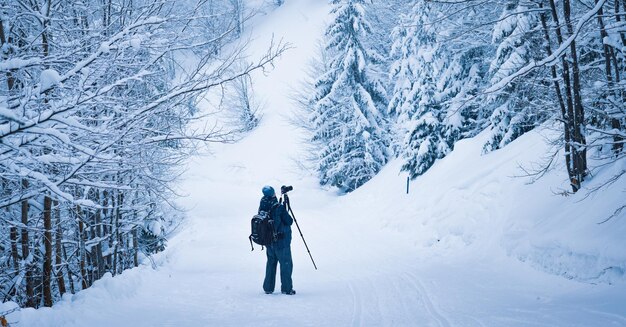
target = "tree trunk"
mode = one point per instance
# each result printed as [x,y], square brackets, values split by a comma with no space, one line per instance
[609,57]
[135,248]
[59,250]
[14,254]
[69,271]
[116,231]
[557,89]
[44,31]
[47,202]
[107,201]
[238,15]
[97,249]
[568,115]
[47,261]
[618,18]
[30,299]
[580,143]
[4,40]
[618,141]
[81,249]
[107,18]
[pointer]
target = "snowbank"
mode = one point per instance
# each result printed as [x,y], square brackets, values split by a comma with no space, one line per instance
[470,204]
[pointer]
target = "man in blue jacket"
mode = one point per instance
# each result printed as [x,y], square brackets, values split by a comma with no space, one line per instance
[280,250]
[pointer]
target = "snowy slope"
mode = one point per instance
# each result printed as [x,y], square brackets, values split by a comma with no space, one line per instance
[469,246]
[475,204]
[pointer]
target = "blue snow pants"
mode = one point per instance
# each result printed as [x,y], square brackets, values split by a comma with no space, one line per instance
[280,255]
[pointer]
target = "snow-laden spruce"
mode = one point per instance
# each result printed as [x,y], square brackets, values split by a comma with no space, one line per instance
[435,87]
[513,113]
[420,112]
[415,102]
[349,103]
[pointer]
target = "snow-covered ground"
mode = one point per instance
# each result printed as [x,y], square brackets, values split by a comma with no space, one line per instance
[469,246]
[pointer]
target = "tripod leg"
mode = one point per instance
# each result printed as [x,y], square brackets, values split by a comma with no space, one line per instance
[300,231]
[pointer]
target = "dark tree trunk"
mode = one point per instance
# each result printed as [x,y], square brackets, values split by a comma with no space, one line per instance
[59,250]
[619,18]
[81,249]
[580,143]
[14,254]
[47,202]
[116,231]
[135,248]
[107,201]
[568,115]
[4,40]
[69,272]
[47,261]
[618,140]
[107,17]
[30,298]
[97,249]
[557,89]
[609,57]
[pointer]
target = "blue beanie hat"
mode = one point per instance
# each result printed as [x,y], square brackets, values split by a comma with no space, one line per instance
[268,191]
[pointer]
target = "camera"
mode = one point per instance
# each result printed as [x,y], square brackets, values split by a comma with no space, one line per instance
[284,189]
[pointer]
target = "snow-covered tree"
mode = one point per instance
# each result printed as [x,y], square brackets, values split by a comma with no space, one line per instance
[415,101]
[349,103]
[241,104]
[459,88]
[508,67]
[513,112]
[95,104]
[384,15]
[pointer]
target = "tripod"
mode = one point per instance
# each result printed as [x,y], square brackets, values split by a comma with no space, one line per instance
[285,200]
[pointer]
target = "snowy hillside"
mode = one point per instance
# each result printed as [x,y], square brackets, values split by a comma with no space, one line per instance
[471,203]
[470,245]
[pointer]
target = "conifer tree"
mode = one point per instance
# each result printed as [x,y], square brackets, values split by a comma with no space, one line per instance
[513,114]
[349,103]
[414,102]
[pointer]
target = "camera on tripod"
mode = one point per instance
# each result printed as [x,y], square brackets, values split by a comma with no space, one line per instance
[284,189]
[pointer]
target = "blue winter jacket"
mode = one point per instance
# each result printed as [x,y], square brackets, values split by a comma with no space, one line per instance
[282,220]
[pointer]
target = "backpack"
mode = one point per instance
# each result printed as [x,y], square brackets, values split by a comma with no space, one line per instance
[263,232]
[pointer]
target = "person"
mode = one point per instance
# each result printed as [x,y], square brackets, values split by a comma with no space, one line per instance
[279,252]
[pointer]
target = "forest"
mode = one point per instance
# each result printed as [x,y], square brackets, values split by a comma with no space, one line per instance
[415,77]
[96,102]
[98,99]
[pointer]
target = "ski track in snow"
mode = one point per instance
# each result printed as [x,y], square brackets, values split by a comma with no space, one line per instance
[367,276]
[441,320]
[357,306]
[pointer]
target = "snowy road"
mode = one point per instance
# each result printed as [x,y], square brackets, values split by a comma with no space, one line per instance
[368,275]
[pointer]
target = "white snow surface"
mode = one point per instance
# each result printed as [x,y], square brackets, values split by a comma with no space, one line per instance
[469,246]
[49,78]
